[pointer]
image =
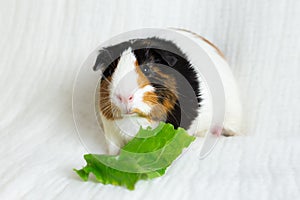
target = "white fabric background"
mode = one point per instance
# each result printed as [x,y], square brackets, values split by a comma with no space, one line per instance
[43,44]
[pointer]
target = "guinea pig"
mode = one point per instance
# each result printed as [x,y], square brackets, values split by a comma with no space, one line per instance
[145,81]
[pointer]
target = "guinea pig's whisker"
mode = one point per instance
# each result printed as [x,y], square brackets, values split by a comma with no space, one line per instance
[182,109]
[105,100]
[115,112]
[106,79]
[106,111]
[108,108]
[105,90]
[176,103]
[174,92]
[174,117]
[105,104]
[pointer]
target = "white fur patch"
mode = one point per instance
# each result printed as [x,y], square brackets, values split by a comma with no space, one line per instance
[125,84]
[138,99]
[124,79]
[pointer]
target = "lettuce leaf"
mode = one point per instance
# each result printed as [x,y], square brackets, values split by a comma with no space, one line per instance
[146,156]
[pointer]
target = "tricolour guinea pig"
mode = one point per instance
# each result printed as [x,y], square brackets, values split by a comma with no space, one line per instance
[145,81]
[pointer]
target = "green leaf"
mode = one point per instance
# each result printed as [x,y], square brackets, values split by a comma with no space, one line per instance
[146,156]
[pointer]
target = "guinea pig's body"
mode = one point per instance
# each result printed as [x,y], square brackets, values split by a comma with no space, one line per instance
[145,81]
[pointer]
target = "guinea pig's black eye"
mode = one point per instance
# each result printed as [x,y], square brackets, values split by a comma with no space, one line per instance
[146,69]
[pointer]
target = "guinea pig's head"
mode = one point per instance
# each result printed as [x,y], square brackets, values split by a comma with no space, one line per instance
[139,80]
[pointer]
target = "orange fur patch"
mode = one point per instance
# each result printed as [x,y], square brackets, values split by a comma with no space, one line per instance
[159,111]
[142,79]
[108,109]
[170,84]
[150,97]
[139,112]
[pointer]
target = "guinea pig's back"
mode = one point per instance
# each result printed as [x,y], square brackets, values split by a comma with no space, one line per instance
[233,110]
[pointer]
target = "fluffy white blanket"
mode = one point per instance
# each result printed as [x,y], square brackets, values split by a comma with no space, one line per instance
[43,44]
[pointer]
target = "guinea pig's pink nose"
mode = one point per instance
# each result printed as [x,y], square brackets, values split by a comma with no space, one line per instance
[124,99]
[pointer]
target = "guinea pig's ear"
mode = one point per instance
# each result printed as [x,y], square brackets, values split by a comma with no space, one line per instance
[104,58]
[167,57]
[109,54]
